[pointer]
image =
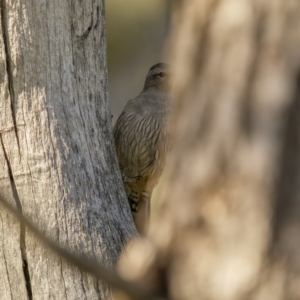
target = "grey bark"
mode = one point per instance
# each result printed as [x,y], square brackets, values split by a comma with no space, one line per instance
[228,224]
[57,159]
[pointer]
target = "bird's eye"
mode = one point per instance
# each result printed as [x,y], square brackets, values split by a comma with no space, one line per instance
[162,74]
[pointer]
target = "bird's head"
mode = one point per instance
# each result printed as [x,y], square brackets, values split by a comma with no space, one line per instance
[158,77]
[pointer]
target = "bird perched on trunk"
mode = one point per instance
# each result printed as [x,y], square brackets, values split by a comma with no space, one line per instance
[142,141]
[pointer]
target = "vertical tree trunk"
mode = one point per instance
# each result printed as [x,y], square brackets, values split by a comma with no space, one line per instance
[57,160]
[228,225]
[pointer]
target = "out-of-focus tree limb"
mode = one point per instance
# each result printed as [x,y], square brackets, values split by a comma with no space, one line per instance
[228,223]
[134,290]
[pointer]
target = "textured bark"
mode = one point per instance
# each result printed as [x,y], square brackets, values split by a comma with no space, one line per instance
[228,223]
[57,160]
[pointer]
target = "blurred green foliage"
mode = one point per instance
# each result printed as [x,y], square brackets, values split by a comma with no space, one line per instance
[128,24]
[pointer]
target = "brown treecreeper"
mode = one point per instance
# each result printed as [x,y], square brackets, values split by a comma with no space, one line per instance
[142,141]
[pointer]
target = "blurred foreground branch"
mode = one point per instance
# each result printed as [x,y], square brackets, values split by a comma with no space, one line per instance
[228,224]
[91,266]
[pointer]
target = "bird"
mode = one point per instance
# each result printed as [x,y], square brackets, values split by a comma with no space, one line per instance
[142,142]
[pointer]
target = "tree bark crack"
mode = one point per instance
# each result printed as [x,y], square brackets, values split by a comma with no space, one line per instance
[63,278]
[22,227]
[82,285]
[98,17]
[5,262]
[9,68]
[88,30]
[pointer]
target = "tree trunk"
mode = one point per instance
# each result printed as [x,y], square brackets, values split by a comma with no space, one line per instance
[57,160]
[228,225]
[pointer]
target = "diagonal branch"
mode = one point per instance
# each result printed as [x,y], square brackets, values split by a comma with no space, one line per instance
[134,290]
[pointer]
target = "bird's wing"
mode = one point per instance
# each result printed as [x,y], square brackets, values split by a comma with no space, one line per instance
[136,135]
